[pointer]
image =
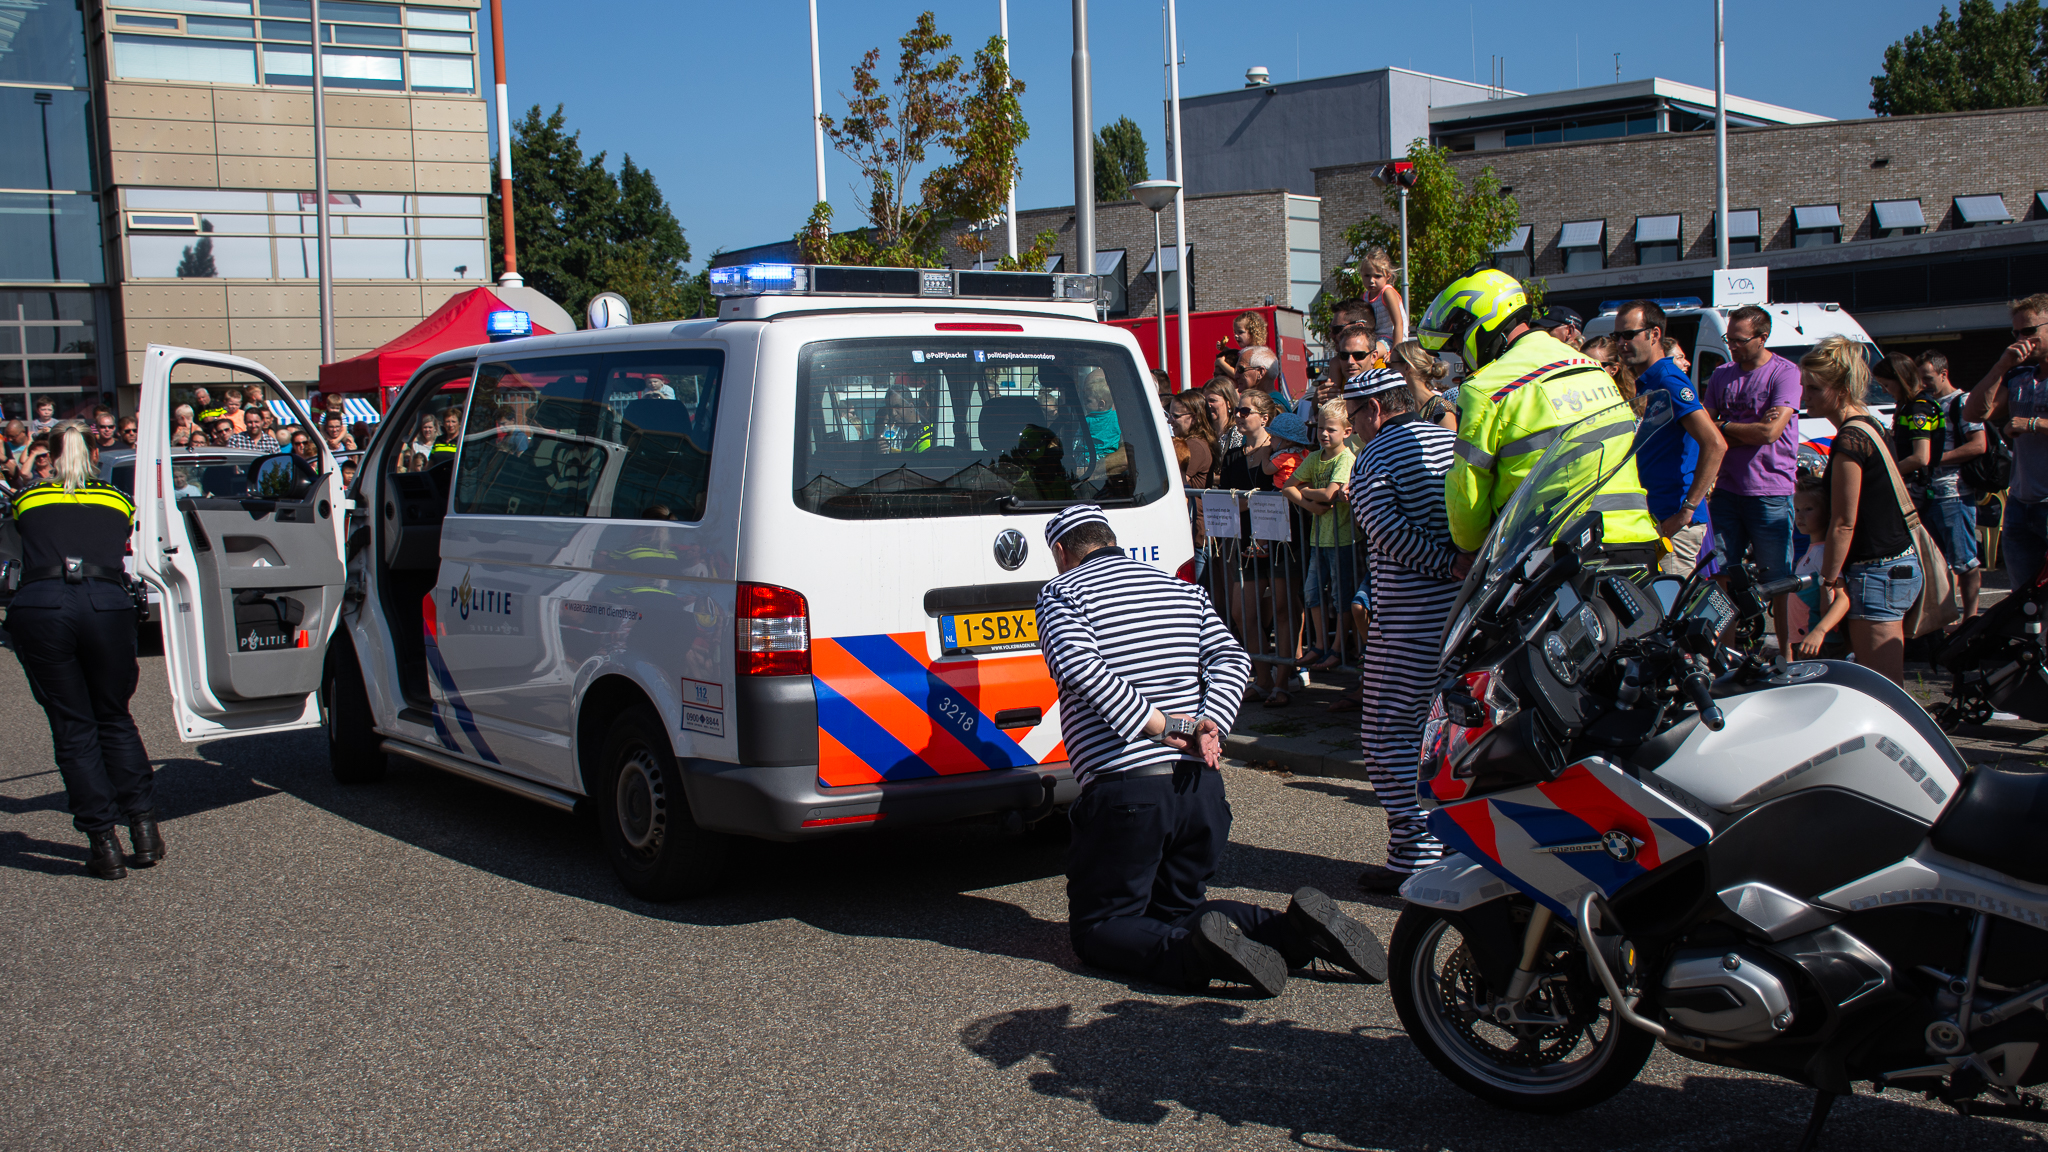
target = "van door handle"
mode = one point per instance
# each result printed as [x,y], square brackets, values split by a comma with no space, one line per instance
[1019,717]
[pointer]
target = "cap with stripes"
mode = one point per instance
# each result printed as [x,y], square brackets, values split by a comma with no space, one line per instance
[1372,382]
[1069,518]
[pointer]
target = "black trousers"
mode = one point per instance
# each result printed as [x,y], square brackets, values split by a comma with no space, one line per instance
[1143,851]
[80,663]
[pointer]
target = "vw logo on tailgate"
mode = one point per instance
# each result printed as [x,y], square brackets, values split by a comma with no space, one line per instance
[1011,549]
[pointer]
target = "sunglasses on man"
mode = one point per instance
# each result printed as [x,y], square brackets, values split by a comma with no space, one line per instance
[1355,355]
[1624,335]
[2029,330]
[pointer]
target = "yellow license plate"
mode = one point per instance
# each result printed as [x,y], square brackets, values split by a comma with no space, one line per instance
[986,631]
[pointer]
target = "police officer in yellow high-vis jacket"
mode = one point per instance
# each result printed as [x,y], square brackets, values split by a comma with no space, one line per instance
[73,627]
[1524,388]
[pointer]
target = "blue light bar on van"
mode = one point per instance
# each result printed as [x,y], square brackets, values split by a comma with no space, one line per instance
[916,283]
[508,325]
[1667,302]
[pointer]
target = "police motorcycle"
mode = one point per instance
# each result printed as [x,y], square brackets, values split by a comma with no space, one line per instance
[1780,867]
[1997,662]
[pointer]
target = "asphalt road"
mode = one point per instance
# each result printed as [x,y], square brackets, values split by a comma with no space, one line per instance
[425,963]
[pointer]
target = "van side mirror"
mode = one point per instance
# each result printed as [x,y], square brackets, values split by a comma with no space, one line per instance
[283,476]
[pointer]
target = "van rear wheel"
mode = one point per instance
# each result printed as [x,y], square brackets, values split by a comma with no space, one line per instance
[354,751]
[655,845]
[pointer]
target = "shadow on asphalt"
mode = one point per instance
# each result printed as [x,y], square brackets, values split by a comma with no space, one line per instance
[921,883]
[1374,1090]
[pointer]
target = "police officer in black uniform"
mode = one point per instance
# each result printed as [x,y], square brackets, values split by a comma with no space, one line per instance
[73,626]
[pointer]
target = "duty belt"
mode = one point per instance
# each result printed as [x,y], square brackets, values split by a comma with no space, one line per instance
[74,573]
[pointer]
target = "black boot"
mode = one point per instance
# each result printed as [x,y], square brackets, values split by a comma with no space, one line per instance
[146,840]
[105,861]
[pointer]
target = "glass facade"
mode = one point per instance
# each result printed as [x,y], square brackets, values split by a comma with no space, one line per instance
[371,47]
[47,143]
[175,233]
[48,349]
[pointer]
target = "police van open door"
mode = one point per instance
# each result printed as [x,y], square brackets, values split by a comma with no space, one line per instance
[247,551]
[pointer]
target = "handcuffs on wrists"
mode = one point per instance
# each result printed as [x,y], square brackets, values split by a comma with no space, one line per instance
[1181,726]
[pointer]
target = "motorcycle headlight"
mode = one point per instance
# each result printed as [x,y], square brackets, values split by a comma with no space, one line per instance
[1457,722]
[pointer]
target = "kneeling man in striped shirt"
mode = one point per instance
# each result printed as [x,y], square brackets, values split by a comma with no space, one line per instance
[1150,679]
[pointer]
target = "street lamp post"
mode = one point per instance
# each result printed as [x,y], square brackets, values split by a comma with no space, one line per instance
[1084,149]
[1720,140]
[1010,197]
[1180,199]
[1157,195]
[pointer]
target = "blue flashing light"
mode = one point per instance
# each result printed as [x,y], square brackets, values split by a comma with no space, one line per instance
[1664,302]
[508,325]
[758,280]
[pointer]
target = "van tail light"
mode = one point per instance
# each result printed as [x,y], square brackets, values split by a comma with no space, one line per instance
[1458,720]
[1186,572]
[772,632]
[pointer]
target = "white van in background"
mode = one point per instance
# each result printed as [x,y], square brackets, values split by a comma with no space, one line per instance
[1795,329]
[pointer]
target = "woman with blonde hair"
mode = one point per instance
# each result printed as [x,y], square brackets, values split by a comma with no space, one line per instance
[1424,374]
[73,627]
[1868,553]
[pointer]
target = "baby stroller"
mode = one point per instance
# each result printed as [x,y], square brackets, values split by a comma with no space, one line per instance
[1997,661]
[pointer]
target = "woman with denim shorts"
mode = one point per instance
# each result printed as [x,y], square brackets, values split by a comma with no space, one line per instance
[1868,552]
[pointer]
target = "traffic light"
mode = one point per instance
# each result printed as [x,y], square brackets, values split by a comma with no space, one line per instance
[1400,173]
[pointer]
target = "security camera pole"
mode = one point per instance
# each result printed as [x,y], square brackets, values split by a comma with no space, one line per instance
[1401,175]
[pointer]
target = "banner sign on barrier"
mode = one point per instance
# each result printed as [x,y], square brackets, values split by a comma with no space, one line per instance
[1219,515]
[1269,516]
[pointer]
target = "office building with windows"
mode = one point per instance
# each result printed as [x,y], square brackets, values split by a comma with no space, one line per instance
[1922,226]
[55,309]
[200,168]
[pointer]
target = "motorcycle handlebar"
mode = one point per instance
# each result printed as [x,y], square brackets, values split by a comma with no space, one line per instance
[1699,692]
[1777,588]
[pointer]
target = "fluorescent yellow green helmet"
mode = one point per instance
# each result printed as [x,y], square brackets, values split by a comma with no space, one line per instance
[1473,317]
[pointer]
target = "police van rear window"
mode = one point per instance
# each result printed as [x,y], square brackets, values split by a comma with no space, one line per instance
[910,427]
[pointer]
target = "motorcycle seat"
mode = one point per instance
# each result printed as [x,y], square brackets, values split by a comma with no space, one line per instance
[1997,821]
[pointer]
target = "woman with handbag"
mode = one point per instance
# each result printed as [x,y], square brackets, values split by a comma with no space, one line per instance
[1870,553]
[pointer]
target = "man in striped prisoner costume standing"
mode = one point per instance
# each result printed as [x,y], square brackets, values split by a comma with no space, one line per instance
[1397,501]
[1150,679]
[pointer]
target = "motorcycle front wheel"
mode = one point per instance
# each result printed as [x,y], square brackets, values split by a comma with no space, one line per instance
[1576,1054]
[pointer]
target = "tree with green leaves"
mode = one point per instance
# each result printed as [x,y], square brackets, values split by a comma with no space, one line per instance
[583,230]
[891,132]
[1450,229]
[1119,160]
[1983,57]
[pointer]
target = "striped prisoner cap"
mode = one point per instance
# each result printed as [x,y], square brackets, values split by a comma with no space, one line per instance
[1071,517]
[1372,382]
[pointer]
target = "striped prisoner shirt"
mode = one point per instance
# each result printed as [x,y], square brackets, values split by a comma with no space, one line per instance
[1122,638]
[1397,501]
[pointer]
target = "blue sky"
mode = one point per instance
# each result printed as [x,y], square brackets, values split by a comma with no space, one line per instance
[714,99]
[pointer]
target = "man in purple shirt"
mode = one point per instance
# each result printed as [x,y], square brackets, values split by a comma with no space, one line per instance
[1754,400]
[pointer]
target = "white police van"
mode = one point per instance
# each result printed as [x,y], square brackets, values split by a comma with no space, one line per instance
[769,574]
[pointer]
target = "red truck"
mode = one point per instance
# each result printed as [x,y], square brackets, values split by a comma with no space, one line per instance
[1208,332]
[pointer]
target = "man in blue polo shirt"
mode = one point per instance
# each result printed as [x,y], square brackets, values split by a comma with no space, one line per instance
[1679,461]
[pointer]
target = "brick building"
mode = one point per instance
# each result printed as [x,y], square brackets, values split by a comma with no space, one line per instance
[1246,249]
[1922,226]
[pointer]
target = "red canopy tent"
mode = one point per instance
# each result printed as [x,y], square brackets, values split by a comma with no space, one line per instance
[458,323]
